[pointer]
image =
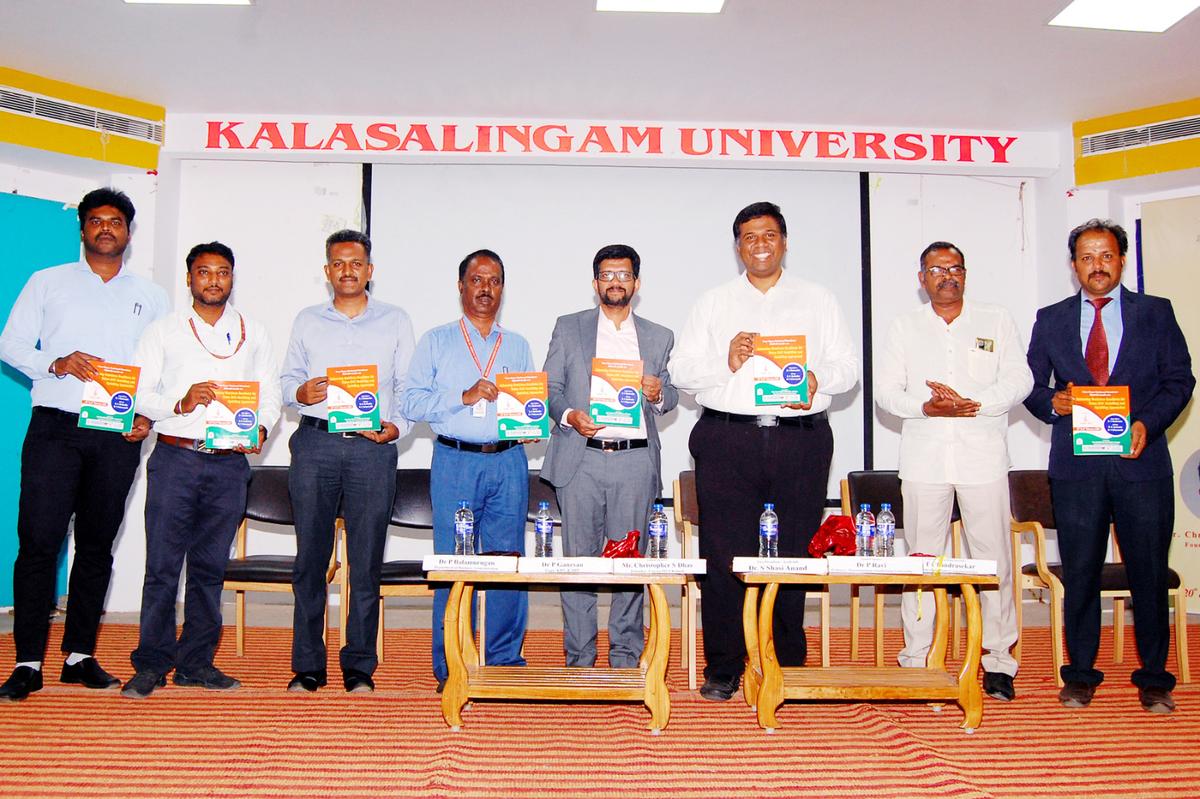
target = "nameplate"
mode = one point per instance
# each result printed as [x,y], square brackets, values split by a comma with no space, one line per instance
[659,565]
[850,564]
[747,565]
[565,566]
[505,564]
[958,566]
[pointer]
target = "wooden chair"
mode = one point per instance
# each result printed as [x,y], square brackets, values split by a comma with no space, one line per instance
[874,488]
[687,521]
[1033,513]
[268,502]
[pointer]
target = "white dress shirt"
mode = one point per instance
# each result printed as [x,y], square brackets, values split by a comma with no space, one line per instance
[920,346]
[792,307]
[173,359]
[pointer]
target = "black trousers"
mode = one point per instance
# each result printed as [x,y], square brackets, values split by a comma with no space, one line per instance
[739,467]
[1143,514]
[65,471]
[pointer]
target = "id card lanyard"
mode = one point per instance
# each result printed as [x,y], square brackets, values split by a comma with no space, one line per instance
[479,409]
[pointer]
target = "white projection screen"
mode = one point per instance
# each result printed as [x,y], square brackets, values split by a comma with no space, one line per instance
[547,222]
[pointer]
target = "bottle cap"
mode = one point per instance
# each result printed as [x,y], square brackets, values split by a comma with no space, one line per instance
[768,506]
[543,505]
[864,506]
[462,503]
[885,506]
[658,506]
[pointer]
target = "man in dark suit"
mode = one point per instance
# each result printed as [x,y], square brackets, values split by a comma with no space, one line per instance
[1107,335]
[606,477]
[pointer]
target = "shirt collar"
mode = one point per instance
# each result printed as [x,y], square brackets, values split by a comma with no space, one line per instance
[228,314]
[473,331]
[83,266]
[608,324]
[329,308]
[748,286]
[1114,295]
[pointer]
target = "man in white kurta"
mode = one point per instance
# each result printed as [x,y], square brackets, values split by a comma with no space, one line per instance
[951,370]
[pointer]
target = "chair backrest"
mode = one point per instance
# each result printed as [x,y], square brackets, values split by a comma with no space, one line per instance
[874,488]
[1029,497]
[412,506]
[685,498]
[267,497]
[541,491]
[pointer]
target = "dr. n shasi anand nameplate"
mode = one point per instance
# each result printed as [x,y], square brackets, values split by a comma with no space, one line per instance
[108,398]
[352,398]
[616,399]
[522,405]
[1100,420]
[780,368]
[231,419]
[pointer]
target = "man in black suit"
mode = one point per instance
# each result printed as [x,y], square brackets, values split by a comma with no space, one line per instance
[1107,335]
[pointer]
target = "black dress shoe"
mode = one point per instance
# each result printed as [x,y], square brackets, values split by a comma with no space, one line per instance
[720,689]
[23,681]
[1156,700]
[308,681]
[209,677]
[998,685]
[142,684]
[88,673]
[357,682]
[1076,694]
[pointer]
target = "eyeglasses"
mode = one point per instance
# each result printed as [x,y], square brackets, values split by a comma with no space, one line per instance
[608,275]
[953,271]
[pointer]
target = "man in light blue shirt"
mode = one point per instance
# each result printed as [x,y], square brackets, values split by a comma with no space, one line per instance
[66,317]
[353,472]
[450,386]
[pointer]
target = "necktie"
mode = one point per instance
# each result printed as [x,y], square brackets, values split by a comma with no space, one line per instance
[1096,352]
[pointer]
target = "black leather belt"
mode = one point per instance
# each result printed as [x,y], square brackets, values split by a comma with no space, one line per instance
[808,422]
[57,413]
[605,445]
[321,424]
[489,448]
[193,444]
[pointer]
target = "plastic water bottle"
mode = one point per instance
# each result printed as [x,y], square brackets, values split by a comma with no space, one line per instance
[864,532]
[543,532]
[657,528]
[768,532]
[464,529]
[885,531]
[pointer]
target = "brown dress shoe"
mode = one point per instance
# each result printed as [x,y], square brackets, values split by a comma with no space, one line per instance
[1076,694]
[1157,700]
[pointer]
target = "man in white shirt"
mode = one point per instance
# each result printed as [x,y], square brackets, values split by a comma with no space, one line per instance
[606,477]
[66,317]
[195,495]
[951,371]
[746,454]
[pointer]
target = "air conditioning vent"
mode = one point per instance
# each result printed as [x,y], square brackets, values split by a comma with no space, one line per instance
[1142,136]
[18,101]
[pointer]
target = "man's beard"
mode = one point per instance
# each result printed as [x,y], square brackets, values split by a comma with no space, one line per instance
[621,303]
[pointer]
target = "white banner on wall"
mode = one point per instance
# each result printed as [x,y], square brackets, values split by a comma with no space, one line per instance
[635,143]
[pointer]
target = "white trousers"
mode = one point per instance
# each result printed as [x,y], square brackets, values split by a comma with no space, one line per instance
[986,535]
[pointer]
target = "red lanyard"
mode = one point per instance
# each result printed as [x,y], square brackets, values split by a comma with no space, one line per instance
[462,326]
[241,340]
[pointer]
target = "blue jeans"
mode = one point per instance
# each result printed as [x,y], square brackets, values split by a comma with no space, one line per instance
[194,504]
[497,488]
[358,477]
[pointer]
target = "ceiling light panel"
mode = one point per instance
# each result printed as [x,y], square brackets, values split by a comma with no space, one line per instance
[1147,16]
[190,2]
[662,6]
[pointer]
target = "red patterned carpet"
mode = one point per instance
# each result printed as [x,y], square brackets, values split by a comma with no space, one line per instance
[264,742]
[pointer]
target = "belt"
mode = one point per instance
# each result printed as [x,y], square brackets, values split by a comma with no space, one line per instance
[56,412]
[617,446]
[194,444]
[489,448]
[321,424]
[808,422]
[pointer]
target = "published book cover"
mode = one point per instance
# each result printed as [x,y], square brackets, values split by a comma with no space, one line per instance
[1100,420]
[352,398]
[231,419]
[522,405]
[616,399]
[109,398]
[780,368]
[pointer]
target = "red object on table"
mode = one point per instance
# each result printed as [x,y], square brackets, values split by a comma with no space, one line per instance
[625,548]
[837,534]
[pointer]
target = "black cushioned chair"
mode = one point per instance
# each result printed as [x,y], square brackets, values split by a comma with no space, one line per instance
[411,510]
[268,502]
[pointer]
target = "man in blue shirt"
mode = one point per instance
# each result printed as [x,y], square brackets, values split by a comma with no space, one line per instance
[66,317]
[450,386]
[352,471]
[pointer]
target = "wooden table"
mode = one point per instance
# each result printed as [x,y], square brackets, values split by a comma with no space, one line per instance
[767,684]
[468,680]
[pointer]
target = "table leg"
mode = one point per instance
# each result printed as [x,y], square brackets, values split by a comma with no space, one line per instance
[454,694]
[770,694]
[753,675]
[970,695]
[936,659]
[657,698]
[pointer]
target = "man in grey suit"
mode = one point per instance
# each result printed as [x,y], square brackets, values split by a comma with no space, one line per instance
[606,477]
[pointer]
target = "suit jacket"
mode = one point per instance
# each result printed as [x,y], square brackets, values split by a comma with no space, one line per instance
[1153,361]
[569,368]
